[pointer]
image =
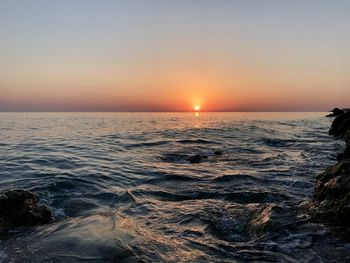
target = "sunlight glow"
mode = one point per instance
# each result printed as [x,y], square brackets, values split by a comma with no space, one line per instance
[197,108]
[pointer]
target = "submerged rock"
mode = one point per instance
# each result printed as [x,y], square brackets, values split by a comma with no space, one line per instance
[196,158]
[22,208]
[217,152]
[271,217]
[242,223]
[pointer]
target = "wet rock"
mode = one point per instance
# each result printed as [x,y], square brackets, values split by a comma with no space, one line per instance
[248,222]
[346,153]
[335,112]
[21,208]
[96,238]
[331,200]
[196,158]
[332,195]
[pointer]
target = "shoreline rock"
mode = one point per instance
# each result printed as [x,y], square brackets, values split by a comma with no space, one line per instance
[22,208]
[335,112]
[331,199]
[340,125]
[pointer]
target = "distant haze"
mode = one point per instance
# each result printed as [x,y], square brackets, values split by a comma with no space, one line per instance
[157,55]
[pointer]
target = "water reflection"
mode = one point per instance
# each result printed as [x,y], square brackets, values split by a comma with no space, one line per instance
[127,192]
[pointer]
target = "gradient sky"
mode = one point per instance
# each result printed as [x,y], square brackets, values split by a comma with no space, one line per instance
[159,55]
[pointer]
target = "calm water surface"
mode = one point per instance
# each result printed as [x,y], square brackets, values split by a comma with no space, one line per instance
[122,190]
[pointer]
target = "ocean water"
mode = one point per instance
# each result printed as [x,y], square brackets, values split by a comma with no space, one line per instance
[122,190]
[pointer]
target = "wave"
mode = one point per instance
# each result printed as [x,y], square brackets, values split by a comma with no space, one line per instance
[125,190]
[196,141]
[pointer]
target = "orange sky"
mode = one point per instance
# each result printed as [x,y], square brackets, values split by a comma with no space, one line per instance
[157,56]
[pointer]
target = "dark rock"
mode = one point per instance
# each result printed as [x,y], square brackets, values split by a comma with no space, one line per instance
[347,137]
[326,184]
[340,157]
[335,112]
[346,153]
[21,208]
[331,200]
[195,158]
[217,152]
[340,125]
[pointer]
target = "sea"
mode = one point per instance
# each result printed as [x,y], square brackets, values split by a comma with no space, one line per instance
[122,189]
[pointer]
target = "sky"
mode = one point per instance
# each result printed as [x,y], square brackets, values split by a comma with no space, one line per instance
[170,55]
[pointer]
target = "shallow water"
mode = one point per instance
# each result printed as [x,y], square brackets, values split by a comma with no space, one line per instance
[122,190]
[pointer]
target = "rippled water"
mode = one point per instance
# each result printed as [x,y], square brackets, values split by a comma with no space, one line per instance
[122,190]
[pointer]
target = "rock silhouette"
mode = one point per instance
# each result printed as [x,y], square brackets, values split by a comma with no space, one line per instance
[335,112]
[22,208]
[331,200]
[340,125]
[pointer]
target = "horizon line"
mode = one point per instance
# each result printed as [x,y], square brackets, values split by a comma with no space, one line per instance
[237,111]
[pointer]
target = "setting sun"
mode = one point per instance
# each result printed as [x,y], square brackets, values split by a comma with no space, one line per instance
[197,108]
[165,103]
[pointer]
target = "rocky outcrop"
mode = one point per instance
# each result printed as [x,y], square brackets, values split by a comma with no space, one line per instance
[22,208]
[332,193]
[335,112]
[340,125]
[331,200]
